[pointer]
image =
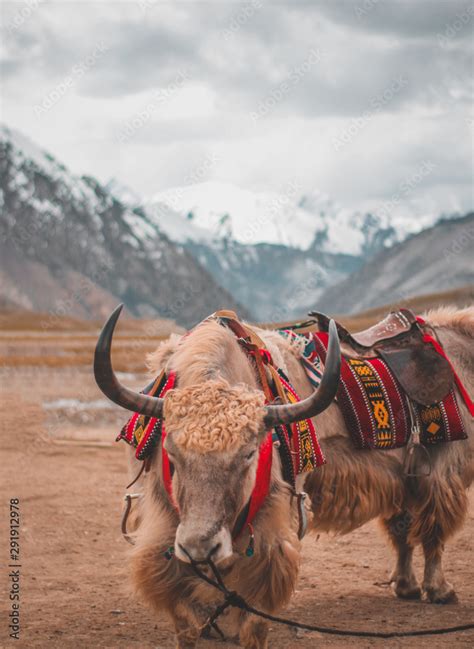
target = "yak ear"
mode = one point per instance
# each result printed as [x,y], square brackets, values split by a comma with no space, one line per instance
[158,359]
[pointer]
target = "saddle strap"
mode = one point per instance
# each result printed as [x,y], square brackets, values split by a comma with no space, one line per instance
[254,346]
[460,385]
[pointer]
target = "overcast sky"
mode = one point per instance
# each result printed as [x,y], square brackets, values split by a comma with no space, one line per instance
[369,101]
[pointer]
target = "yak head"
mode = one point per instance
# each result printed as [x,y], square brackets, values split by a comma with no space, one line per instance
[213,434]
[214,431]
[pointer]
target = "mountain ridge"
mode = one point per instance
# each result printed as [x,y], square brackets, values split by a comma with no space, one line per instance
[436,259]
[73,244]
[288,218]
[68,245]
[276,281]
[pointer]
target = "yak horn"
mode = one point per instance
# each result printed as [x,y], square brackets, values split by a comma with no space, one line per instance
[320,399]
[108,382]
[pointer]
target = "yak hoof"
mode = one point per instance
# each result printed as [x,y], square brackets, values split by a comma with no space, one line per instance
[406,589]
[444,595]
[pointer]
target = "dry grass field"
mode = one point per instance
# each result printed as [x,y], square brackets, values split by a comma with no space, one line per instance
[60,460]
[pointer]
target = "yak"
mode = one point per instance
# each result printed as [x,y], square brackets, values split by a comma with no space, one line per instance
[216,419]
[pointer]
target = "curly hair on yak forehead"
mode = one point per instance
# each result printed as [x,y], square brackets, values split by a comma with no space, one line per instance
[213,416]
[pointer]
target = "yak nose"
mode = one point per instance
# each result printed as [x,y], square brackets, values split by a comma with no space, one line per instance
[200,547]
[196,552]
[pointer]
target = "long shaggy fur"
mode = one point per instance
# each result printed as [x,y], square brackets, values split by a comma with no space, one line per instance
[354,487]
[158,360]
[461,320]
[209,352]
[438,511]
[267,580]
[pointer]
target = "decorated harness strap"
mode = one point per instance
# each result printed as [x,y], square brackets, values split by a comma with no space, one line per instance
[305,449]
[430,340]
[297,443]
[142,432]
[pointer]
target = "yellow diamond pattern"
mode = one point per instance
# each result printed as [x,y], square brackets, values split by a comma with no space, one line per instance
[433,428]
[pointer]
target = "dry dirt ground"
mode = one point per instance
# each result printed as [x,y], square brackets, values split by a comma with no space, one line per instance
[60,461]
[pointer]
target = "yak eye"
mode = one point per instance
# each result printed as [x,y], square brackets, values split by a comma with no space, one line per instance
[250,455]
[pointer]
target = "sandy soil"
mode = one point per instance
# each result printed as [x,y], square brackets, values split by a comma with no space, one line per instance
[74,577]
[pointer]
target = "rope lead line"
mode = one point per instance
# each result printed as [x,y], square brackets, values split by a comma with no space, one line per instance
[232,598]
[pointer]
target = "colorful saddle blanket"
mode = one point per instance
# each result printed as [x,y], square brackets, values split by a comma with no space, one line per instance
[376,410]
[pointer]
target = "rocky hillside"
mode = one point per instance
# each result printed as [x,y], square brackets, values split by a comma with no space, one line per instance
[68,246]
[437,259]
[277,282]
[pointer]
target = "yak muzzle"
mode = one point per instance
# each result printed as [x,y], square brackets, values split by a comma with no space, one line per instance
[194,546]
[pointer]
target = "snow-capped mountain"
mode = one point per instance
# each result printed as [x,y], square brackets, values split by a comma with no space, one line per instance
[273,281]
[67,245]
[224,211]
[276,253]
[122,193]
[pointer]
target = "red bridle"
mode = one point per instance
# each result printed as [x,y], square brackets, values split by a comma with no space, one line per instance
[262,478]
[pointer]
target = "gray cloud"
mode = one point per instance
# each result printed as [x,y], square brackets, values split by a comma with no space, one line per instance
[144,53]
[404,18]
[243,55]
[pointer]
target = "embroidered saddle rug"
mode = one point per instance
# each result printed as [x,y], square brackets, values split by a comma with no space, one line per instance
[376,410]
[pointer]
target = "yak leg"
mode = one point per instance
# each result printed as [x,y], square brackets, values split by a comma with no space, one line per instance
[440,511]
[403,577]
[435,586]
[186,626]
[253,633]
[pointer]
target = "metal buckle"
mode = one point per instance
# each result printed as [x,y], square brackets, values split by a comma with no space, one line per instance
[302,517]
[414,445]
[128,506]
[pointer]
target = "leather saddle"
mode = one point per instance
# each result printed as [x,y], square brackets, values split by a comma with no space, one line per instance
[424,375]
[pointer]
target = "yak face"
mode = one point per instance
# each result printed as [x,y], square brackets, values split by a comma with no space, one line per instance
[213,435]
